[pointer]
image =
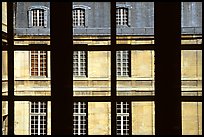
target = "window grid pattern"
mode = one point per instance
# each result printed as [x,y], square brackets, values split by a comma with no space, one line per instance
[122,58]
[38,17]
[78,17]
[38,118]
[79,63]
[79,118]
[38,63]
[121,16]
[122,118]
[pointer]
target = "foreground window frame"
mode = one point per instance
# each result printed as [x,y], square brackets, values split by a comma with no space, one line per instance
[59,97]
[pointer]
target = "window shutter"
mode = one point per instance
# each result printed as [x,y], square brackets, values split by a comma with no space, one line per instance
[86,17]
[30,18]
[129,17]
[45,18]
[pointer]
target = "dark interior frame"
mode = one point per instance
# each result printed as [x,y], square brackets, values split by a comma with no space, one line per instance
[167,69]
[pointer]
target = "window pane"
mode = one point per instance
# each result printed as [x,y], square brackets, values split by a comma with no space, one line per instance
[135,73]
[4,117]
[97,81]
[32,73]
[30,120]
[4,73]
[143,118]
[191,118]
[191,72]
[191,22]
[91,25]
[135,22]
[99,118]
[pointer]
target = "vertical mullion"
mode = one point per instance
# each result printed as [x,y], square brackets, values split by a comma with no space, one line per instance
[113,68]
[10,69]
[62,68]
[167,68]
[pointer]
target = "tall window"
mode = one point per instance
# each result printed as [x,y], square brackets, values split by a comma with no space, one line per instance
[38,63]
[38,118]
[79,63]
[78,17]
[122,16]
[123,63]
[122,118]
[79,118]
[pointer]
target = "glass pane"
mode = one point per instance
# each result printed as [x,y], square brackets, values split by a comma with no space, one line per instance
[91,23]
[191,22]
[4,117]
[99,118]
[32,73]
[143,118]
[135,73]
[191,72]
[96,81]
[191,118]
[4,73]
[135,22]
[32,23]
[32,118]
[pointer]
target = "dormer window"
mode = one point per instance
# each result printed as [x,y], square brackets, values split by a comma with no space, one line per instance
[80,15]
[123,15]
[37,16]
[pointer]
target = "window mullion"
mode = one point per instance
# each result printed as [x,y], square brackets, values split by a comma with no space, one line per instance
[79,118]
[121,62]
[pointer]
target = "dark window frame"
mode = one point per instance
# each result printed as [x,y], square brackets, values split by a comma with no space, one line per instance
[162,127]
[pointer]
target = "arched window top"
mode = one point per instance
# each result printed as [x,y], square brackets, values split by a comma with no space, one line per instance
[81,7]
[123,6]
[38,7]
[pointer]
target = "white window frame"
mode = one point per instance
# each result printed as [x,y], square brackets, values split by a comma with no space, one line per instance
[79,121]
[81,70]
[122,116]
[120,60]
[39,67]
[30,16]
[38,114]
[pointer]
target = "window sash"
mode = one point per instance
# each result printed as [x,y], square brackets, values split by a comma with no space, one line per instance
[38,63]
[38,120]
[79,118]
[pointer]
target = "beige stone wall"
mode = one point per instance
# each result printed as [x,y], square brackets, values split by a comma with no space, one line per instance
[142,63]
[99,118]
[192,118]
[191,72]
[143,118]
[4,17]
[98,64]
[22,118]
